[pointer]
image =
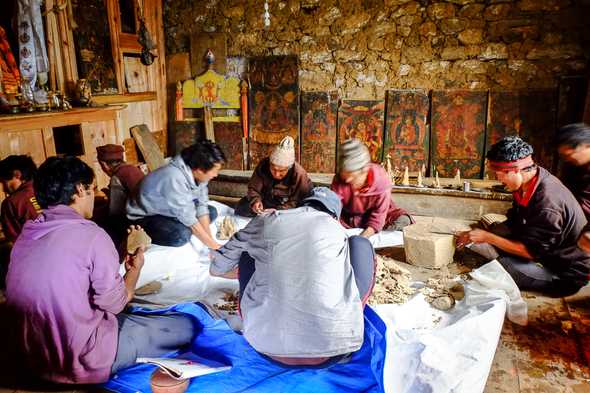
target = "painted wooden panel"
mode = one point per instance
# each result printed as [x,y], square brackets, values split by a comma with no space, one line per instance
[531,114]
[318,131]
[237,66]
[29,142]
[136,78]
[363,120]
[407,138]
[228,135]
[458,132]
[273,103]
[570,105]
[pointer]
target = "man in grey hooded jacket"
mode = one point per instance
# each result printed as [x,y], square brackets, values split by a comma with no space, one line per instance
[303,282]
[172,202]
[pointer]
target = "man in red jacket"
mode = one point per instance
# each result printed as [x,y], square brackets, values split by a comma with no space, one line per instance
[16,175]
[365,191]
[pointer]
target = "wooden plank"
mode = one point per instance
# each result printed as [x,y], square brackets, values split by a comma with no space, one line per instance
[125,98]
[178,68]
[200,43]
[136,78]
[571,95]
[94,134]
[319,111]
[54,119]
[273,104]
[228,135]
[407,137]
[48,142]
[148,146]
[363,119]
[27,141]
[114,18]
[157,72]
[56,73]
[128,43]
[531,114]
[458,132]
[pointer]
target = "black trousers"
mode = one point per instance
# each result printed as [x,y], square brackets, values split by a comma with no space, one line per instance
[168,231]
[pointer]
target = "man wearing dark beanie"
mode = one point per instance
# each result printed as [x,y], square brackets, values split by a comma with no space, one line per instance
[538,242]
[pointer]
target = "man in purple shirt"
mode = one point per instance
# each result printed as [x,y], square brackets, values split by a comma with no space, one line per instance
[66,295]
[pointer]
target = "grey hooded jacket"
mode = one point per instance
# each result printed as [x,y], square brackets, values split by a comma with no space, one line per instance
[170,191]
[302,300]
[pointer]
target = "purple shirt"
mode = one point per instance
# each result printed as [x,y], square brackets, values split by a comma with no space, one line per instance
[64,287]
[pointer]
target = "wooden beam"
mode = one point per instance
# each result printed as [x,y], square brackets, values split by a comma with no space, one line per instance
[114,27]
[125,98]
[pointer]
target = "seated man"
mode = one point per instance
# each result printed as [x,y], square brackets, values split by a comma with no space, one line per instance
[573,144]
[65,292]
[303,283]
[172,202]
[365,191]
[124,184]
[16,175]
[278,182]
[538,242]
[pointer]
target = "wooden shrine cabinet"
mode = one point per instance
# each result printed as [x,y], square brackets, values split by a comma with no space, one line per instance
[76,132]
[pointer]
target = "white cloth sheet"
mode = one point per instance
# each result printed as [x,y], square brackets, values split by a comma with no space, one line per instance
[427,350]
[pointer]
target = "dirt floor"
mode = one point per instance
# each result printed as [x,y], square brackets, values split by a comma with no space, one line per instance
[550,355]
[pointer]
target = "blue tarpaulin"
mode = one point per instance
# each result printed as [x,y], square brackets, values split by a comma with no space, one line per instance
[253,372]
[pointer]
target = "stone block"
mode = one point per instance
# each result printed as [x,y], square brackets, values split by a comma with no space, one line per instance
[426,249]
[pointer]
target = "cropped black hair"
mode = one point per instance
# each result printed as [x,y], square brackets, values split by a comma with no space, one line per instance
[57,179]
[509,148]
[202,155]
[22,163]
[573,135]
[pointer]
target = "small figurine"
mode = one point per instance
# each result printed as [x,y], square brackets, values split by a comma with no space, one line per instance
[179,107]
[406,178]
[389,169]
[458,176]
[436,180]
[419,180]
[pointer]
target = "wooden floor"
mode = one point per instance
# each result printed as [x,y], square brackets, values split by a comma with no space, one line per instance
[550,355]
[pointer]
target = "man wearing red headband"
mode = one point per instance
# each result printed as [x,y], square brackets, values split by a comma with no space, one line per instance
[538,244]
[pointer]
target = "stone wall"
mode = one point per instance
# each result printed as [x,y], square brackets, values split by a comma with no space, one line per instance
[363,47]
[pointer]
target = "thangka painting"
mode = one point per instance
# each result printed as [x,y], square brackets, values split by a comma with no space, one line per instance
[530,114]
[363,120]
[318,131]
[273,103]
[406,133]
[458,132]
[228,135]
[572,94]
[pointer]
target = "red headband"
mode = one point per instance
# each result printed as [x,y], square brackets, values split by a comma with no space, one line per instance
[511,166]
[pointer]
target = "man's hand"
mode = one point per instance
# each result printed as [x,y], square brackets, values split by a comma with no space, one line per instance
[134,261]
[473,236]
[584,242]
[257,207]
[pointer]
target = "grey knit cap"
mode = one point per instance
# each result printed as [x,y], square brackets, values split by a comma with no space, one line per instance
[354,155]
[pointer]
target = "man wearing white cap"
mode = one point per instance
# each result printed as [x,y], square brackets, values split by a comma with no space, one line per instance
[278,182]
[365,191]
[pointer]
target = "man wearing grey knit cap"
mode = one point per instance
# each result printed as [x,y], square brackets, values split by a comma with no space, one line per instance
[278,182]
[365,191]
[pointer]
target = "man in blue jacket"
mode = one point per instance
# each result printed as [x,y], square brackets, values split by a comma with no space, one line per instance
[172,202]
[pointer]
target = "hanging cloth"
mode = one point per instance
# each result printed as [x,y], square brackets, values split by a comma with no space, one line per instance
[31,39]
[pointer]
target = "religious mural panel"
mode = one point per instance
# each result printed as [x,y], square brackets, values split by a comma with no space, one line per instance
[531,114]
[228,135]
[406,133]
[363,120]
[273,103]
[458,132]
[318,131]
